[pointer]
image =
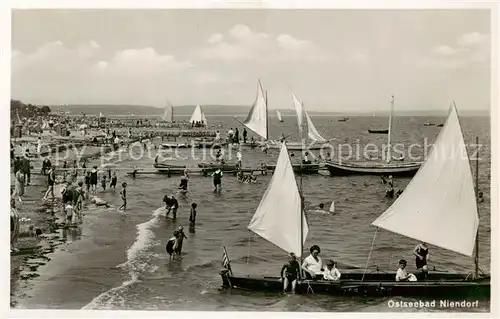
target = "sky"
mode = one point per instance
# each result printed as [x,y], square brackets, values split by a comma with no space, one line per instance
[332,60]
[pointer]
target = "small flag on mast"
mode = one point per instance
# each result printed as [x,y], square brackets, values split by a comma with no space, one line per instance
[225,260]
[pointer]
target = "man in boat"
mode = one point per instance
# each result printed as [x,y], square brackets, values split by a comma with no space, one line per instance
[321,209]
[245,133]
[331,272]
[306,159]
[313,265]
[480,198]
[217,175]
[402,275]
[421,253]
[290,273]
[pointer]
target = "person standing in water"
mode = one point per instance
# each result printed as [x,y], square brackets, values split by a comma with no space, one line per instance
[180,239]
[192,215]
[183,186]
[103,182]
[217,175]
[124,196]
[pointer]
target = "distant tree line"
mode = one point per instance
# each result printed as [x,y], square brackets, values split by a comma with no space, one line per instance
[27,110]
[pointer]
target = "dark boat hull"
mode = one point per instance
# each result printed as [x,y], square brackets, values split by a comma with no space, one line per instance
[438,285]
[222,167]
[297,168]
[394,169]
[168,166]
[378,131]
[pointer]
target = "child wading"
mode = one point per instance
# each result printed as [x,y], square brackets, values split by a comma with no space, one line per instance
[192,215]
[123,192]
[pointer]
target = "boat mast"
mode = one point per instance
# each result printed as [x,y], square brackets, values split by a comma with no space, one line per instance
[389,132]
[267,119]
[301,193]
[476,257]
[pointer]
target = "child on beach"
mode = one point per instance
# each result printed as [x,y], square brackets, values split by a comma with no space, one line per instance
[51,178]
[123,193]
[87,183]
[113,181]
[103,182]
[69,214]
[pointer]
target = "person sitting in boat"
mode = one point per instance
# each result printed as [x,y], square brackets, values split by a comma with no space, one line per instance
[306,159]
[402,275]
[290,273]
[480,198]
[331,272]
[240,177]
[313,265]
[421,253]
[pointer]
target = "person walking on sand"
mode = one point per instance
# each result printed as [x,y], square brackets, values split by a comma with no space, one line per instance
[51,179]
[93,179]
[123,193]
[114,179]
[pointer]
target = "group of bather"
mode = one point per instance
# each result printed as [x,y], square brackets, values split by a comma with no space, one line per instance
[313,268]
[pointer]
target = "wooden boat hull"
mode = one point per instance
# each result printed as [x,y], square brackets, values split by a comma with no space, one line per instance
[378,131]
[168,166]
[222,167]
[166,146]
[394,169]
[297,168]
[380,284]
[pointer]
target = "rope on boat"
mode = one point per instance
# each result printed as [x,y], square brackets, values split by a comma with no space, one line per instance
[248,255]
[369,254]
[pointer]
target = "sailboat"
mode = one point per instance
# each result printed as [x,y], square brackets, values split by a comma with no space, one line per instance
[342,168]
[278,114]
[198,117]
[442,192]
[168,114]
[384,131]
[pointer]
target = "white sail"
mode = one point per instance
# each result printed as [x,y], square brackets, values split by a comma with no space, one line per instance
[332,207]
[100,114]
[168,114]
[278,217]
[278,114]
[439,205]
[312,132]
[198,116]
[300,112]
[257,117]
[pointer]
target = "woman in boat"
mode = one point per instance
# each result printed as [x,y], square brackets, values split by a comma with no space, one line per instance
[331,272]
[421,252]
[290,273]
[402,275]
[313,265]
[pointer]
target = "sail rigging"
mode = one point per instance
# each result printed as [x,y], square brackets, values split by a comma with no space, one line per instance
[441,193]
[312,132]
[198,116]
[389,154]
[257,117]
[278,114]
[281,222]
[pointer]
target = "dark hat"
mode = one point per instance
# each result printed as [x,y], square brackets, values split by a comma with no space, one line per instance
[315,247]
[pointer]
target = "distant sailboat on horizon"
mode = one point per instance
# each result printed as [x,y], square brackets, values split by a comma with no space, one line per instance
[278,114]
